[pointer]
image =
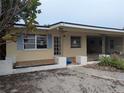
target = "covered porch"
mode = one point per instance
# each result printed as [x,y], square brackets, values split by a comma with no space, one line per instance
[94,41]
[106,44]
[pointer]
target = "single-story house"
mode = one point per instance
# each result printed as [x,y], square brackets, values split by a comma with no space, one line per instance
[63,39]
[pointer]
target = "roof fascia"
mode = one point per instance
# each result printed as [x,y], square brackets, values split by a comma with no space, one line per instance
[92,28]
[64,24]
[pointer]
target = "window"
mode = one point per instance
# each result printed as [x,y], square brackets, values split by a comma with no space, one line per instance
[29,41]
[111,44]
[41,42]
[75,42]
[35,41]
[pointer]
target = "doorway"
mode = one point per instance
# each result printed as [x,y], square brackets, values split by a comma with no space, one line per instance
[57,45]
[94,47]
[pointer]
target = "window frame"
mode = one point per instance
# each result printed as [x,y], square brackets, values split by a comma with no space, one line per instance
[35,43]
[79,40]
[28,43]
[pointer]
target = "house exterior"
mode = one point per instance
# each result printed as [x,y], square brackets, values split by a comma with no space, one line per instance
[65,40]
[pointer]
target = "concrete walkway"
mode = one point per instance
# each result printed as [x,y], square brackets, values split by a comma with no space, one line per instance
[98,73]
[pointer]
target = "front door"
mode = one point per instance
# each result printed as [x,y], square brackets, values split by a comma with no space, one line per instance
[57,45]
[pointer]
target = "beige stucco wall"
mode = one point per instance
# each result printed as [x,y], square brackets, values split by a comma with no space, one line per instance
[71,52]
[10,49]
[27,55]
[118,44]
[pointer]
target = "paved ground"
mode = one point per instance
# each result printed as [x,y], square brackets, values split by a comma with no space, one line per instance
[72,80]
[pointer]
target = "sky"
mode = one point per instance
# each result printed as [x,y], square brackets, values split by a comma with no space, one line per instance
[107,13]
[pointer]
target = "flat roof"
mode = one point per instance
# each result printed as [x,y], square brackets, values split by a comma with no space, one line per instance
[73,25]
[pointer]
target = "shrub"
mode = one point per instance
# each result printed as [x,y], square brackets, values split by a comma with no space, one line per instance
[105,61]
[113,62]
[119,64]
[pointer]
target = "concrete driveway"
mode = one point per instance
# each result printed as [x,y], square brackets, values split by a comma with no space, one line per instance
[71,80]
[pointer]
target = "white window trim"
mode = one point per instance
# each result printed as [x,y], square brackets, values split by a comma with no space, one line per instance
[36,44]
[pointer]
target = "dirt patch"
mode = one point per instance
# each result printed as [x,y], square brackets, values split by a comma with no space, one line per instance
[103,68]
[58,81]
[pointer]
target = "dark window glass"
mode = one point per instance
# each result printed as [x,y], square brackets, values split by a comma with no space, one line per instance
[29,41]
[41,42]
[75,42]
[35,41]
[112,44]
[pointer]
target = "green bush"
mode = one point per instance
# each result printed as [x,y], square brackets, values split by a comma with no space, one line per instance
[119,64]
[113,62]
[105,61]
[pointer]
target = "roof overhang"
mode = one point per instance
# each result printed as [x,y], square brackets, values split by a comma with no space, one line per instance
[76,26]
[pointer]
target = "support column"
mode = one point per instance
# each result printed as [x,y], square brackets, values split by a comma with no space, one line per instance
[103,45]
